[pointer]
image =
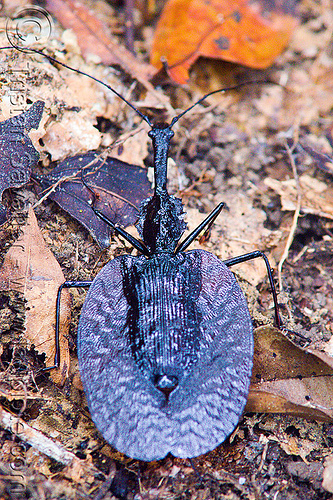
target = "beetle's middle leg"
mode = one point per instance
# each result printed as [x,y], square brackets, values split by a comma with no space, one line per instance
[255,255]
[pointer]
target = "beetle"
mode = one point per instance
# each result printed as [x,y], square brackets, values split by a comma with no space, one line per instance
[165,338]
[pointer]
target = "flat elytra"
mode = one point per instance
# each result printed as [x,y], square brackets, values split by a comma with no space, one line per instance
[212,358]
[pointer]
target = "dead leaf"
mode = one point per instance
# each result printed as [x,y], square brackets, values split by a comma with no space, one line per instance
[17,153]
[30,268]
[248,33]
[73,133]
[298,447]
[93,39]
[316,196]
[288,379]
[119,189]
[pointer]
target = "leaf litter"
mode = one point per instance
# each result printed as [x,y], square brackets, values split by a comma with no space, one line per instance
[288,379]
[30,268]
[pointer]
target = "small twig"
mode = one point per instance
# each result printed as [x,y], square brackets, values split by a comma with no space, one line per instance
[35,438]
[195,183]
[300,254]
[54,186]
[124,137]
[11,361]
[65,178]
[129,25]
[14,395]
[263,456]
[295,218]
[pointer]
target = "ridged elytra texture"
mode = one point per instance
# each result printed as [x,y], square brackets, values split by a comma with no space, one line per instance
[139,321]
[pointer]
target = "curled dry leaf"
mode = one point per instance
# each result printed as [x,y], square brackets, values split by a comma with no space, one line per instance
[248,33]
[288,379]
[118,186]
[316,196]
[30,268]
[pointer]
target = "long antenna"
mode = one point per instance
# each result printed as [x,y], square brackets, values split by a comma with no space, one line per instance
[142,115]
[233,87]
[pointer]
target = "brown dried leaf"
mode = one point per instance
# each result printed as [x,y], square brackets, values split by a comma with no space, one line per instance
[30,268]
[298,447]
[316,196]
[93,38]
[73,133]
[288,379]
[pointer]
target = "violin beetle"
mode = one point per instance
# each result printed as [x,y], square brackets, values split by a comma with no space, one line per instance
[165,338]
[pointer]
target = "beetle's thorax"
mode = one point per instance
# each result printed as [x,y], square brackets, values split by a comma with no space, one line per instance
[161,223]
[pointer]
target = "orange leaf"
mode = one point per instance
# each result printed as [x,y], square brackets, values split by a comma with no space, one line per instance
[233,30]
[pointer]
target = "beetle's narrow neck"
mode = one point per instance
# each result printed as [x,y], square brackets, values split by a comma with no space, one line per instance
[161,138]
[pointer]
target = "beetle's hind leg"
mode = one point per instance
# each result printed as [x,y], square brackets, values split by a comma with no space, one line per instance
[255,255]
[66,284]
